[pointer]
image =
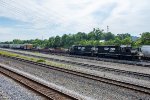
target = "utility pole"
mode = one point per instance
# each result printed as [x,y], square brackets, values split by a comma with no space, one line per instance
[107,29]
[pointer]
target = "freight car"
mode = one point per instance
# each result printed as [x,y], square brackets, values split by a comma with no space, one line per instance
[17,46]
[146,51]
[4,45]
[27,46]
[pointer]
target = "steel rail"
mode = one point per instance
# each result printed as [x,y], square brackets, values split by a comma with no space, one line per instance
[134,87]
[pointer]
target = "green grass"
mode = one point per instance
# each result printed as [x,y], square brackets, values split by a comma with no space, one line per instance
[39,60]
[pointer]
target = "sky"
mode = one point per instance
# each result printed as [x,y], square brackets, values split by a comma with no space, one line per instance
[31,19]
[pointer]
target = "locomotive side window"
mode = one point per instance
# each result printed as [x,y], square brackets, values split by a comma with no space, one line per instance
[112,49]
[82,48]
[106,48]
[79,47]
[93,48]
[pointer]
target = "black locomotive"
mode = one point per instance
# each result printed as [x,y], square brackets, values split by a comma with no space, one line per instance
[81,50]
[120,52]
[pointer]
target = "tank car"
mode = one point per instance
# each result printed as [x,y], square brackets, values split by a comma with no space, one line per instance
[146,51]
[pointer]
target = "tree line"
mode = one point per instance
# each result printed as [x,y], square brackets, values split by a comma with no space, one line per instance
[95,37]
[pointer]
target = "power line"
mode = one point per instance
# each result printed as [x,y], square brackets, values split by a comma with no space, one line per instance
[39,13]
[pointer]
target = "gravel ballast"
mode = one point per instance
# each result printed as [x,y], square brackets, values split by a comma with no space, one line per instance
[126,67]
[12,90]
[86,87]
[100,66]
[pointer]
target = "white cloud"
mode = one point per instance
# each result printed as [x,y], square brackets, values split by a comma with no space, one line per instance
[70,16]
[130,16]
[8,34]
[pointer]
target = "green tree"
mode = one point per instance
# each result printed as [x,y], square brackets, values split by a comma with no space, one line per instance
[110,42]
[17,41]
[117,41]
[126,41]
[123,36]
[96,34]
[37,43]
[137,43]
[57,41]
[145,38]
[91,38]
[80,36]
[109,36]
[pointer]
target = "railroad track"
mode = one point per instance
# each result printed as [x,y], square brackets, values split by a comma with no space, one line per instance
[137,74]
[144,63]
[40,88]
[133,87]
